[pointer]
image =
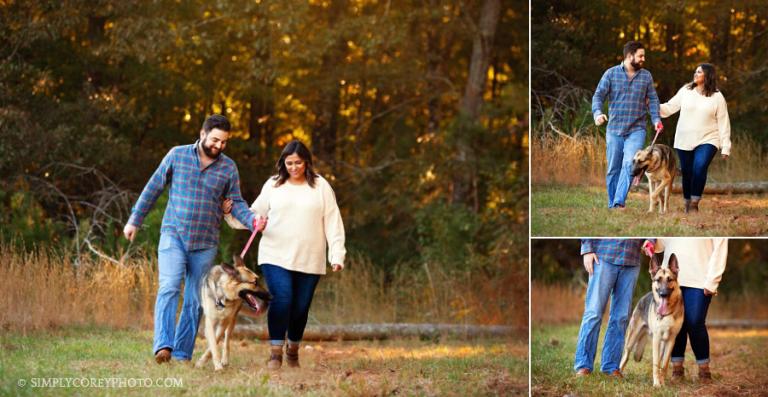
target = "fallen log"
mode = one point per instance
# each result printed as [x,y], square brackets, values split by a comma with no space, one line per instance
[737,323]
[719,188]
[386,331]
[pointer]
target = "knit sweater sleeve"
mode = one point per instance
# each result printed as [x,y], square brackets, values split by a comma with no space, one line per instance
[673,105]
[717,262]
[332,225]
[260,206]
[723,124]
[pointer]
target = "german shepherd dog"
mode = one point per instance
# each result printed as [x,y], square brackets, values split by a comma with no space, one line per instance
[659,164]
[658,314]
[222,293]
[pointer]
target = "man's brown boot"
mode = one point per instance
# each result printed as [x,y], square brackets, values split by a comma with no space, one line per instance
[292,355]
[163,355]
[275,357]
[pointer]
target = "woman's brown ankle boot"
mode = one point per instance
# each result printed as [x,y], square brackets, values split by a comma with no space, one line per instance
[275,357]
[292,355]
[678,372]
[704,375]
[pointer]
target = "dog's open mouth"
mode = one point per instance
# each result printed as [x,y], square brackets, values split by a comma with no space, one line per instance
[256,300]
[663,308]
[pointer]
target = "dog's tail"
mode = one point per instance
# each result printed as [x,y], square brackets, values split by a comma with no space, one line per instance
[640,346]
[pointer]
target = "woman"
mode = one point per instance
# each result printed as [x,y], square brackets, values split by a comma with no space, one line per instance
[302,218]
[702,129]
[702,263]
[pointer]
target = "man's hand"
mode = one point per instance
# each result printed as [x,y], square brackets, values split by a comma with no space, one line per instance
[599,120]
[130,232]
[337,267]
[659,127]
[226,206]
[259,223]
[589,259]
[648,248]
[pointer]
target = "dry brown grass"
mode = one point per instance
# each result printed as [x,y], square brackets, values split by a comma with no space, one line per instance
[42,291]
[556,304]
[580,160]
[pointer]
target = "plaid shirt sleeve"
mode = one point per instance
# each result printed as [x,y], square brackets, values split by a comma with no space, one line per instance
[587,246]
[653,102]
[603,88]
[240,209]
[152,190]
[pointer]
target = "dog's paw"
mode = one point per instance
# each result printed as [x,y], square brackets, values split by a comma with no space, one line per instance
[224,362]
[217,367]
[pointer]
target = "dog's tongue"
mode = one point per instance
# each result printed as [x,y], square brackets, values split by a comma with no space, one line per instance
[252,301]
[636,180]
[663,310]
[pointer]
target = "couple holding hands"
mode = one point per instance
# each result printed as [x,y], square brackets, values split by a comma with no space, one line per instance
[702,130]
[303,218]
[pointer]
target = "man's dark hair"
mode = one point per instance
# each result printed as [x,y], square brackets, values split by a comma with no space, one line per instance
[216,121]
[631,47]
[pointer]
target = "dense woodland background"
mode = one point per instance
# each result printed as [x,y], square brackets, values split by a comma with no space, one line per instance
[416,112]
[574,42]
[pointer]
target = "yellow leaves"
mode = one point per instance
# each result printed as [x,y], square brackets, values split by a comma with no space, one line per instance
[286,39]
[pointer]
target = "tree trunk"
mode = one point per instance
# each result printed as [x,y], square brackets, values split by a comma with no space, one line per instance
[469,107]
[386,331]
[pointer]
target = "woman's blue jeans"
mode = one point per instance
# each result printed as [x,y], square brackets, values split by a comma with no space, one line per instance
[694,165]
[292,294]
[694,326]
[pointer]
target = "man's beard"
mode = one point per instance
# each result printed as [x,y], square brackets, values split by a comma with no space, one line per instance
[208,150]
[636,66]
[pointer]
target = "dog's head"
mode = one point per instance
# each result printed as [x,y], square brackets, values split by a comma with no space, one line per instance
[663,282]
[643,160]
[244,284]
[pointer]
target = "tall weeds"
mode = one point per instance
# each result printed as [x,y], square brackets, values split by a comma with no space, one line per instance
[580,160]
[42,290]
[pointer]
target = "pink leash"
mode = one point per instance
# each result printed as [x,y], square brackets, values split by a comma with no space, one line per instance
[248,245]
[654,138]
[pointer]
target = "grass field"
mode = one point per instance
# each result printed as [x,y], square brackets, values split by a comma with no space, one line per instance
[575,211]
[395,367]
[739,367]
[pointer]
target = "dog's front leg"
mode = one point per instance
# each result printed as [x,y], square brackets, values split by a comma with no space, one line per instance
[650,193]
[227,329]
[666,356]
[657,381]
[207,354]
[213,343]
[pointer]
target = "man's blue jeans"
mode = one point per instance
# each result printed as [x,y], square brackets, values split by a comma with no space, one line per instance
[175,264]
[694,326]
[619,153]
[618,283]
[694,165]
[292,294]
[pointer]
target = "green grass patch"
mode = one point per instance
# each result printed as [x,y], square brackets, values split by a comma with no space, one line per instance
[402,367]
[582,212]
[737,362]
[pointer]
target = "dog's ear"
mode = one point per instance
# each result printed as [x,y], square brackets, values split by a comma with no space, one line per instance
[653,265]
[673,266]
[238,261]
[229,270]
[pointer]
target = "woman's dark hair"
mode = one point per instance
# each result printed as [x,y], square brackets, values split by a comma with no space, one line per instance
[295,147]
[710,79]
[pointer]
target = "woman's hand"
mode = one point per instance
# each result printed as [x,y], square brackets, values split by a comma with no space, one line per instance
[337,267]
[725,157]
[226,206]
[708,292]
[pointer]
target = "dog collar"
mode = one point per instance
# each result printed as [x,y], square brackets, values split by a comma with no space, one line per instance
[219,304]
